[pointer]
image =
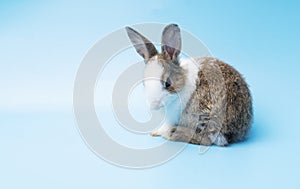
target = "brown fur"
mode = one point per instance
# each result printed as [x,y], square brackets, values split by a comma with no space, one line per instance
[227,109]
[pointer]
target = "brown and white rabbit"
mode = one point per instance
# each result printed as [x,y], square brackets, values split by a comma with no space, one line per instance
[206,100]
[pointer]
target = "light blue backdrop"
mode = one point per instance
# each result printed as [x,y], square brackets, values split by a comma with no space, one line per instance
[43,42]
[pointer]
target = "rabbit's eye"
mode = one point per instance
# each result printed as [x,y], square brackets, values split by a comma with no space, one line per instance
[167,83]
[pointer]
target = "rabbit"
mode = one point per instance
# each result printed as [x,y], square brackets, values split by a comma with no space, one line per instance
[207,101]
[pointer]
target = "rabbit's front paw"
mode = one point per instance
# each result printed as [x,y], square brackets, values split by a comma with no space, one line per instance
[162,131]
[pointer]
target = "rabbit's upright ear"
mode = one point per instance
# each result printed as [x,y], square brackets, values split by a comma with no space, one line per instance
[171,41]
[142,45]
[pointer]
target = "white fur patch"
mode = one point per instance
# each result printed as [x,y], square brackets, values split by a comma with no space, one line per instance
[218,139]
[152,75]
[157,97]
[192,68]
[174,109]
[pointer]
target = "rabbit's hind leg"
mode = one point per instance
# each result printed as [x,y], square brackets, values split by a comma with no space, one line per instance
[188,135]
[205,133]
[212,130]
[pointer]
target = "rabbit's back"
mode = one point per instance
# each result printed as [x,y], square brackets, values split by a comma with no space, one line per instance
[221,95]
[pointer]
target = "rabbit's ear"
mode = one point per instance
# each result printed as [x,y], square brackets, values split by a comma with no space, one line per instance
[142,45]
[171,41]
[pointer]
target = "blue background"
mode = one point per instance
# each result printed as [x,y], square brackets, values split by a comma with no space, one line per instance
[43,42]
